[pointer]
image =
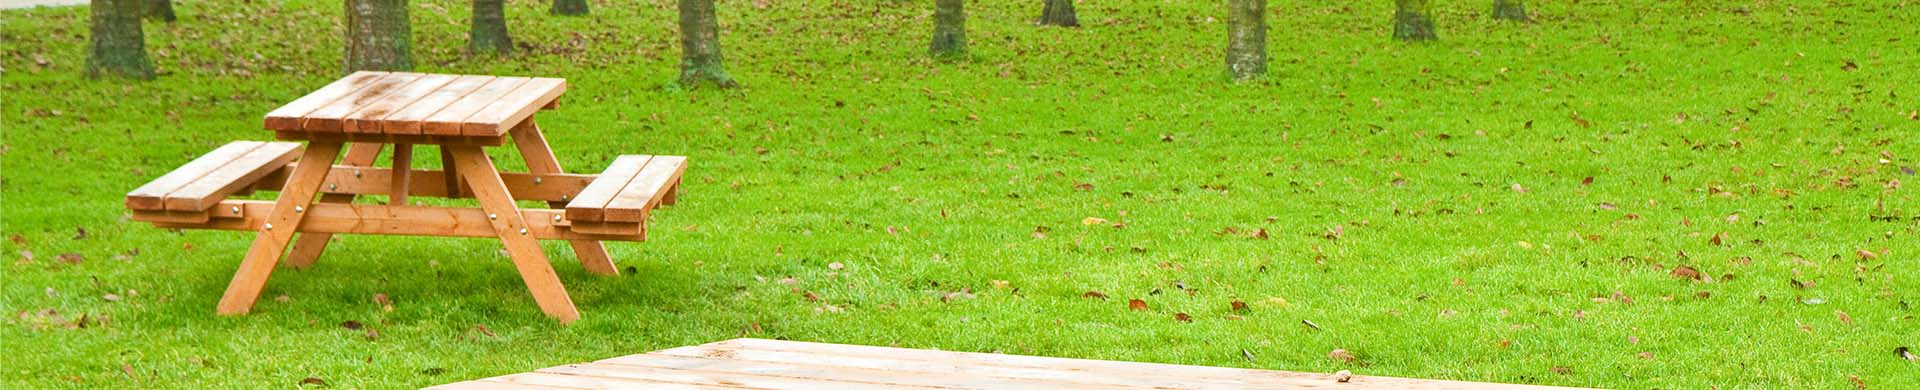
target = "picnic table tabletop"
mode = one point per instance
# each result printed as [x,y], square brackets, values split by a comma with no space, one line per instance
[404,103]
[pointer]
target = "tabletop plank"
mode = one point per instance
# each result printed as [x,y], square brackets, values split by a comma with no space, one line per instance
[449,121]
[368,119]
[289,116]
[330,117]
[408,120]
[515,106]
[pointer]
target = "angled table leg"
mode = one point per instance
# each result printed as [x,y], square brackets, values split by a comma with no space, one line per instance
[533,147]
[484,179]
[307,248]
[271,241]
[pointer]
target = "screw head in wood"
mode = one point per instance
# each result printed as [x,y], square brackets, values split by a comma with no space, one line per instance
[269,226]
[356,173]
[299,209]
[556,218]
[523,231]
[332,186]
[491,216]
[536,180]
[236,210]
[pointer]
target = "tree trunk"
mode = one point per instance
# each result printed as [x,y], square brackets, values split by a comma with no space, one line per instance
[1246,39]
[119,47]
[489,32]
[1514,10]
[160,9]
[379,36]
[1410,21]
[700,61]
[569,7]
[1059,13]
[949,29]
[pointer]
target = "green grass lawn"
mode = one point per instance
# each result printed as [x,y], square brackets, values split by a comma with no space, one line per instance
[1506,204]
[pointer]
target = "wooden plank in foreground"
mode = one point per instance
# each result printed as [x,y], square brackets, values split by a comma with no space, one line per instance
[773,364]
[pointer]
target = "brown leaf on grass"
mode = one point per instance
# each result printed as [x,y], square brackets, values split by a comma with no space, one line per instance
[1090,221]
[18,239]
[1083,186]
[1562,370]
[1716,240]
[385,303]
[1094,294]
[1238,305]
[1858,384]
[1906,353]
[352,325]
[1261,234]
[128,370]
[71,258]
[1342,356]
[1182,317]
[79,233]
[1648,355]
[313,381]
[1686,272]
[1001,284]
[965,293]
[1310,324]
[1587,181]
[483,330]
[373,334]
[811,297]
[1866,254]
[1136,305]
[1844,318]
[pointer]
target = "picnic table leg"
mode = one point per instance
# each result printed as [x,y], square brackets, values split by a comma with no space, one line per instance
[454,188]
[307,248]
[484,179]
[402,174]
[533,147]
[271,241]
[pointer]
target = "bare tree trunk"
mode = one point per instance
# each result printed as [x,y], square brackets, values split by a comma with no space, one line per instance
[569,7]
[160,9]
[119,47]
[700,61]
[1410,21]
[1514,10]
[1246,39]
[489,31]
[1059,13]
[949,29]
[379,36]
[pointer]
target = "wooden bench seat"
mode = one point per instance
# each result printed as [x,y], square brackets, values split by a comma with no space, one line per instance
[211,178]
[626,193]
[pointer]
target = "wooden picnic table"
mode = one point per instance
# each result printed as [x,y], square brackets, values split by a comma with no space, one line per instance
[367,111]
[777,364]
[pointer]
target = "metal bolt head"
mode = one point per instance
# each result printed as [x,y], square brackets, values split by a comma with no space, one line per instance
[299,209]
[236,210]
[523,231]
[536,180]
[564,197]
[356,173]
[269,226]
[556,218]
[492,216]
[332,186]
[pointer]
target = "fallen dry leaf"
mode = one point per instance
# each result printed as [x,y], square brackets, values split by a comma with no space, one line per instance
[313,381]
[1905,353]
[1093,221]
[1182,317]
[483,330]
[1136,305]
[352,325]
[1686,272]
[1844,318]
[1094,294]
[1342,356]
[71,258]
[1238,305]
